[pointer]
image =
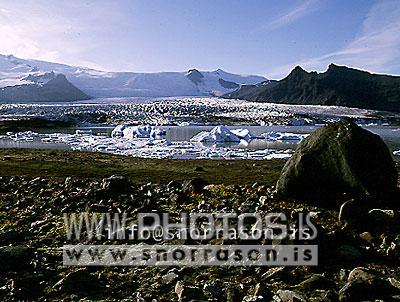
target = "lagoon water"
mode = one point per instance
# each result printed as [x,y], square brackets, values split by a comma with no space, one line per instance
[390,134]
[193,115]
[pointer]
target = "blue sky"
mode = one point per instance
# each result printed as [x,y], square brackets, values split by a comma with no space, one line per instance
[251,37]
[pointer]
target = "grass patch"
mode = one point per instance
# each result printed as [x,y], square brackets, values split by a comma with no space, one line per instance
[62,163]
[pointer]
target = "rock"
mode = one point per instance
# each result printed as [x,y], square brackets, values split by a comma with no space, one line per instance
[196,185]
[213,290]
[232,295]
[348,210]
[178,198]
[15,258]
[28,286]
[361,274]
[116,184]
[367,236]
[173,184]
[337,159]
[349,253]
[316,282]
[248,206]
[380,216]
[99,208]
[169,278]
[78,281]
[253,299]
[263,200]
[329,296]
[343,274]
[362,284]
[394,283]
[276,273]
[262,292]
[10,236]
[288,296]
[187,293]
[209,187]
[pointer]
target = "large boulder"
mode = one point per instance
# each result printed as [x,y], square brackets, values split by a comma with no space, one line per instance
[337,159]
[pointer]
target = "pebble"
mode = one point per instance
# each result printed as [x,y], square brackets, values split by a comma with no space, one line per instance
[169,278]
[288,296]
[367,237]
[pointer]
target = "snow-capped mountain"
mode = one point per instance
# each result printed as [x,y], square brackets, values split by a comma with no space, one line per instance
[95,83]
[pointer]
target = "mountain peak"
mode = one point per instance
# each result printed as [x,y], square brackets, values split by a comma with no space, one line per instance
[333,66]
[219,71]
[297,71]
[195,76]
[338,86]
[298,68]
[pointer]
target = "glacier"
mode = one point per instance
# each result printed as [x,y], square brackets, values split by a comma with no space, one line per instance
[96,83]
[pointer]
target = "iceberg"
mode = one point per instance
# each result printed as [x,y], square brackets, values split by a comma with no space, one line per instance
[155,148]
[222,134]
[283,136]
[118,131]
[83,132]
[243,134]
[22,136]
[133,132]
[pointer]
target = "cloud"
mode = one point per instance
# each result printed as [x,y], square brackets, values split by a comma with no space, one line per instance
[376,48]
[20,35]
[53,31]
[296,13]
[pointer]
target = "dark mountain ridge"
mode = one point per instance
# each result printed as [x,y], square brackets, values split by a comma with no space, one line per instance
[55,88]
[339,86]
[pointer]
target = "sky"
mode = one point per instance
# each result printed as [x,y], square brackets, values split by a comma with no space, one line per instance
[261,37]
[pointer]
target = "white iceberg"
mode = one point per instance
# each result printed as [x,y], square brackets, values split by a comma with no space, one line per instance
[155,148]
[22,136]
[222,134]
[83,132]
[283,136]
[118,131]
[243,134]
[133,132]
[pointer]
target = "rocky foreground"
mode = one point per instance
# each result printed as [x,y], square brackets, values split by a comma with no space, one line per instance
[352,198]
[358,254]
